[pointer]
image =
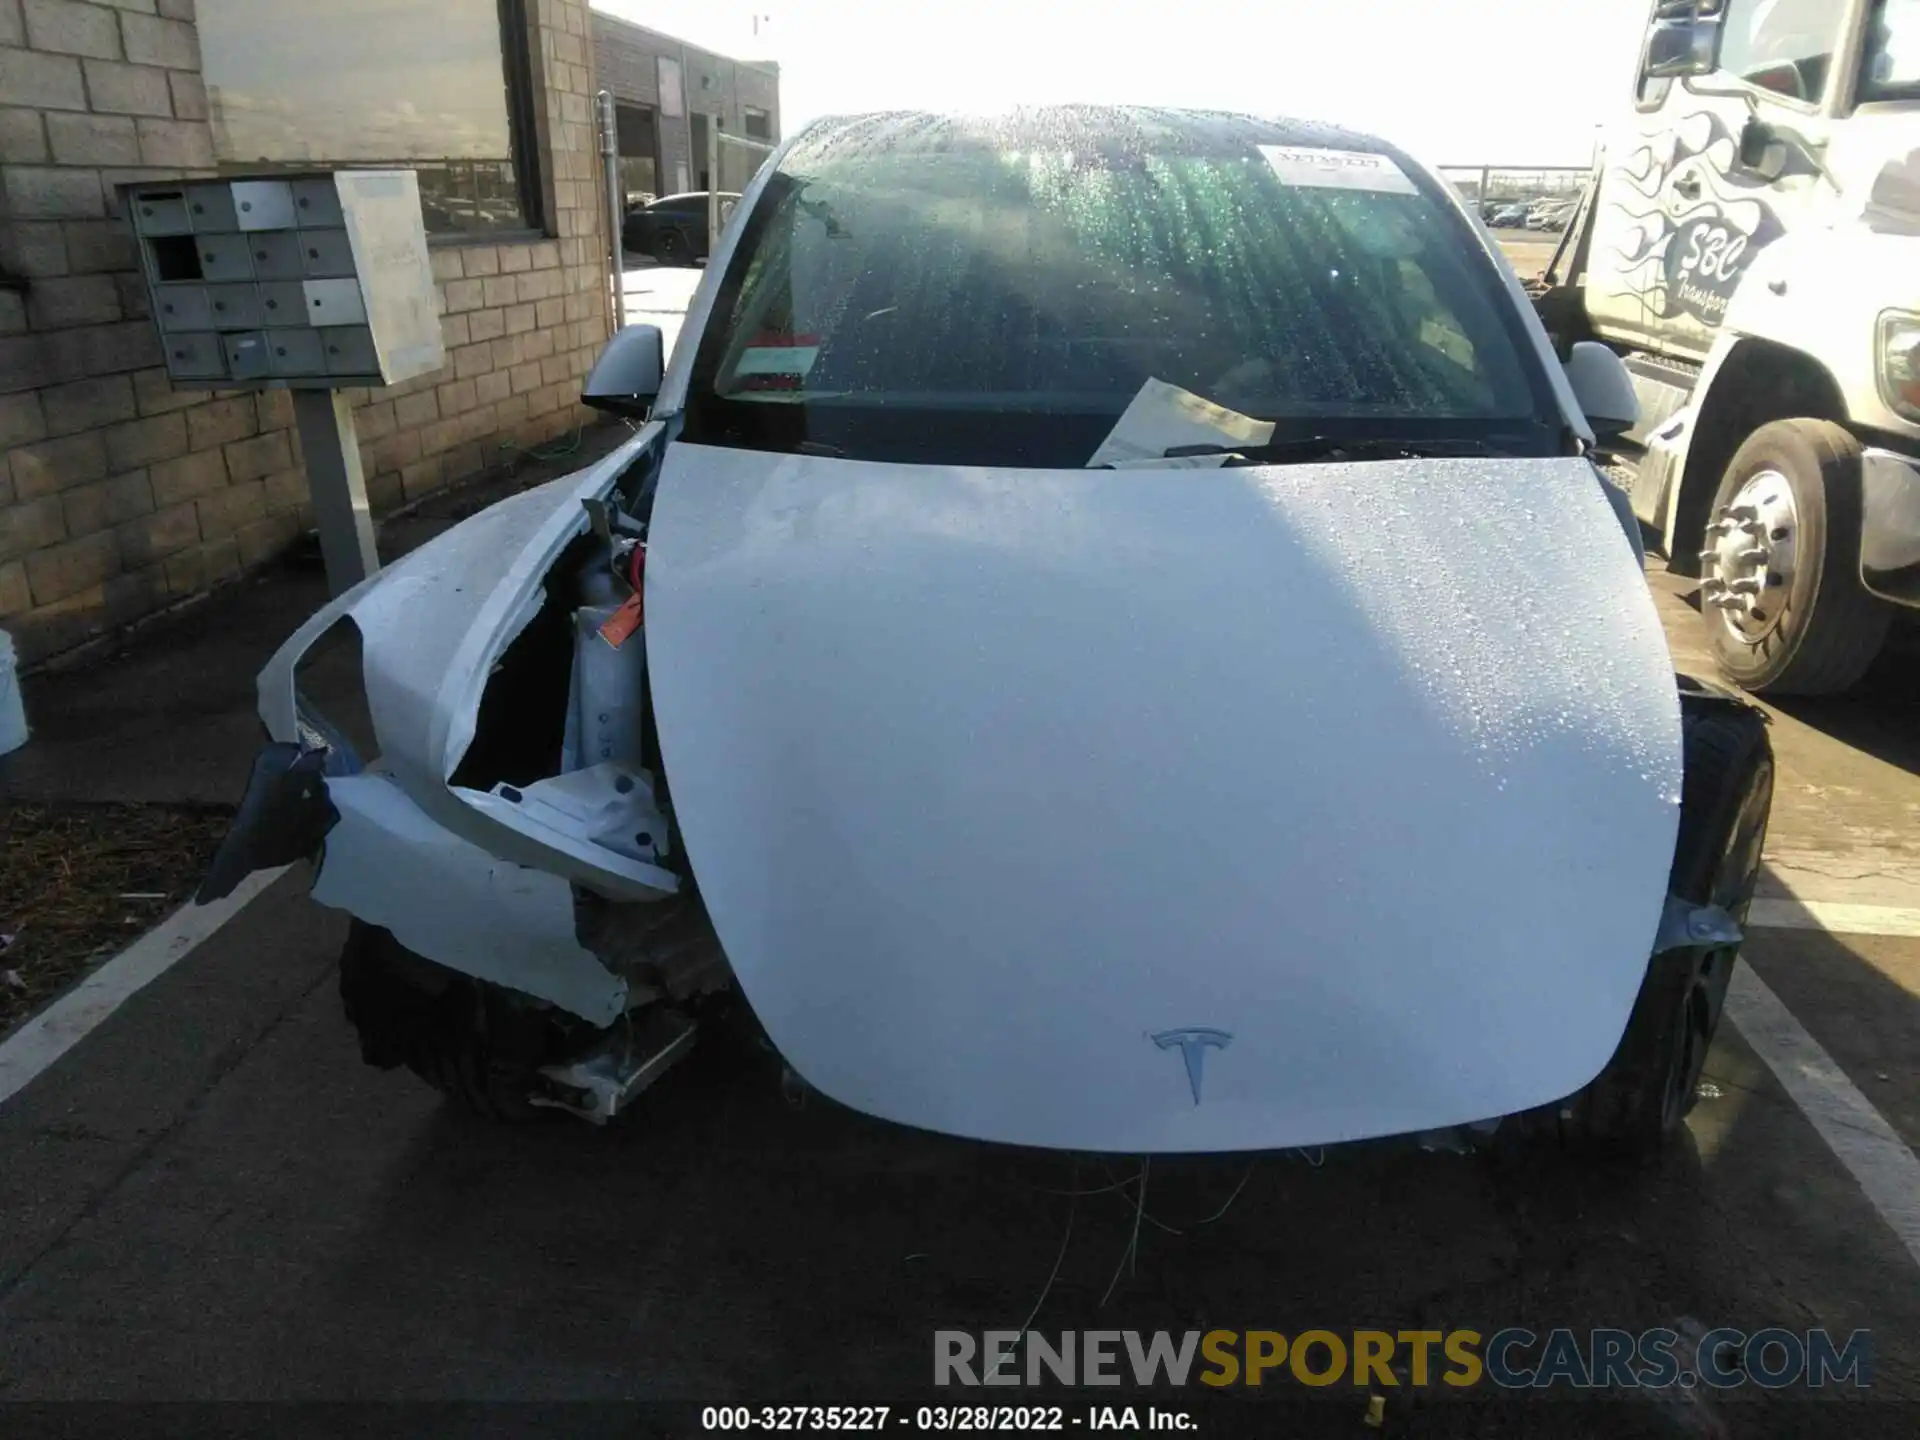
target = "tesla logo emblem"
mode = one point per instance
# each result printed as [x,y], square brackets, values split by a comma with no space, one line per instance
[1193,1046]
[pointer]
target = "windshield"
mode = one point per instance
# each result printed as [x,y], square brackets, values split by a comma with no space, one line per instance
[993,304]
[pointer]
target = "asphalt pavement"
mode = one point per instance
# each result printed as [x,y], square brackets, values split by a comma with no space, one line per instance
[1529,250]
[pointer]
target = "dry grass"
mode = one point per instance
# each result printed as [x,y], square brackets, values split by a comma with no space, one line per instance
[78,883]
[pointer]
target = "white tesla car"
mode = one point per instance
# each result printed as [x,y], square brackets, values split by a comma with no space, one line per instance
[1107,635]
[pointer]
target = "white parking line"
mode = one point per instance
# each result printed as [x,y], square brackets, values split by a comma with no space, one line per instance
[1834,916]
[1876,1157]
[71,1018]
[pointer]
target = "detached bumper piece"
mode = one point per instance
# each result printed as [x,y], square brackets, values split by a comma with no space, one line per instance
[285,816]
[600,1083]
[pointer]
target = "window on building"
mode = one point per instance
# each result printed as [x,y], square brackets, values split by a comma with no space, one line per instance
[639,153]
[440,87]
[757,123]
[1785,46]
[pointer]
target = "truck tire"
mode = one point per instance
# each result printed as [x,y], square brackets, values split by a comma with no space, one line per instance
[1780,593]
[443,1026]
[1640,1101]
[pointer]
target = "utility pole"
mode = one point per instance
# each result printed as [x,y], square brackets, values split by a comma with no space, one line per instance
[616,206]
[686,111]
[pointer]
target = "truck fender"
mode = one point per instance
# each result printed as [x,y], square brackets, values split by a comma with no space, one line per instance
[1777,301]
[1670,448]
[1748,381]
[1787,297]
[1820,291]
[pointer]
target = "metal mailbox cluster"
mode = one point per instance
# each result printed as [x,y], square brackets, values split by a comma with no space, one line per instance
[310,282]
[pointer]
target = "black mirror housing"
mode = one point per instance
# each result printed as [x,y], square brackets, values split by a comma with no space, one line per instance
[626,379]
[1762,152]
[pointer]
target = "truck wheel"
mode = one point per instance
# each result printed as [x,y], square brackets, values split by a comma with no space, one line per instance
[443,1026]
[1639,1102]
[1780,587]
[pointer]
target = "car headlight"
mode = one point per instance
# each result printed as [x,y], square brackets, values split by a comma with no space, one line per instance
[1899,355]
[316,733]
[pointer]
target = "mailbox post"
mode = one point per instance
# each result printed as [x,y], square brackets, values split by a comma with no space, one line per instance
[316,282]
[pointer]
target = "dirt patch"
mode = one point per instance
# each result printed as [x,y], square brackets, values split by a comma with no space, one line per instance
[79,883]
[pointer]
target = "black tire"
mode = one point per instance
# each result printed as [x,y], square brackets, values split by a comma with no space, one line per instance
[448,1029]
[1829,628]
[671,248]
[1643,1096]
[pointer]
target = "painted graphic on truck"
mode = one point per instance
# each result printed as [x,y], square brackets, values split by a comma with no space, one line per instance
[1691,226]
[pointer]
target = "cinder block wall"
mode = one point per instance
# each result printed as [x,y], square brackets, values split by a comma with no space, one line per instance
[120,496]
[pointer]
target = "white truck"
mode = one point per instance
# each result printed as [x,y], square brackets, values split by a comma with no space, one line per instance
[1750,244]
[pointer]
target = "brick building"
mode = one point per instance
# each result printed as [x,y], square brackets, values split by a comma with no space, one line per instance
[666,92]
[120,496]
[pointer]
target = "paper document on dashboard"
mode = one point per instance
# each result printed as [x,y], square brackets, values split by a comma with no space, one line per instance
[1162,417]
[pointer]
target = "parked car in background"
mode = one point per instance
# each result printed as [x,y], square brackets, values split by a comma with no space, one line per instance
[673,229]
[1510,217]
[1550,215]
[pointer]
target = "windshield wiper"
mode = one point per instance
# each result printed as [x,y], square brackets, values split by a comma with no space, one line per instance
[1327,447]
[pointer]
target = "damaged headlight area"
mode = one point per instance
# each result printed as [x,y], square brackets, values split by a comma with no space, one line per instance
[330,700]
[525,936]
[286,812]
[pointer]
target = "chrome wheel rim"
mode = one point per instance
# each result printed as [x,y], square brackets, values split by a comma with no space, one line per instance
[1748,566]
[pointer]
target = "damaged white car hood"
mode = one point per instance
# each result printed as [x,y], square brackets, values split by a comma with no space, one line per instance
[1168,809]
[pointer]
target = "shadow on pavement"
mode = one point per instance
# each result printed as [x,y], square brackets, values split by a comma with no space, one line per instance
[738,1246]
[1880,716]
[168,714]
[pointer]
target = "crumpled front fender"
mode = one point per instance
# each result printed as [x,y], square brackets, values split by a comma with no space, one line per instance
[432,627]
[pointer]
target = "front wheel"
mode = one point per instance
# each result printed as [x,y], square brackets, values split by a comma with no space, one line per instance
[458,1035]
[671,248]
[1780,591]
[1639,1102]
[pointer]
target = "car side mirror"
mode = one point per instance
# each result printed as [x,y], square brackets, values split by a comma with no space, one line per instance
[626,379]
[1603,389]
[1685,39]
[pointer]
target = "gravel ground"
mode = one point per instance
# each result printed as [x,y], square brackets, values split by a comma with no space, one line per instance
[78,883]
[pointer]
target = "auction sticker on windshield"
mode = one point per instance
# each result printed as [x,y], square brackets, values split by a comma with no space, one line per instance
[1320,169]
[775,361]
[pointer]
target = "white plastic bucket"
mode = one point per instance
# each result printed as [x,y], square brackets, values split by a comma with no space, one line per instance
[13,714]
